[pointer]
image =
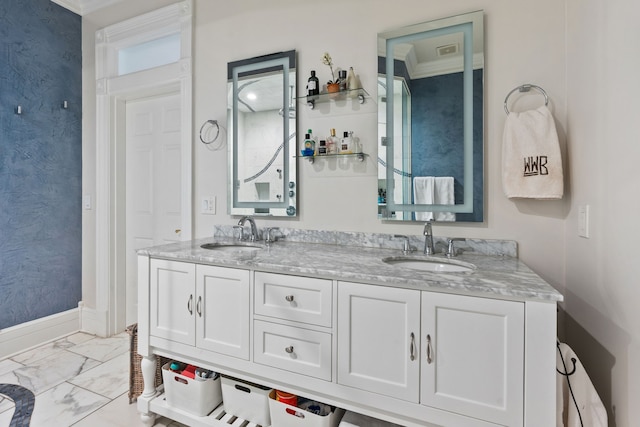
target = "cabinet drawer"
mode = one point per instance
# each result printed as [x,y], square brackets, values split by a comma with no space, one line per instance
[293,349]
[299,299]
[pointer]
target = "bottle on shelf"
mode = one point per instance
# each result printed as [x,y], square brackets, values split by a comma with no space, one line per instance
[313,85]
[333,144]
[313,139]
[352,80]
[322,148]
[342,79]
[346,144]
[308,146]
[355,143]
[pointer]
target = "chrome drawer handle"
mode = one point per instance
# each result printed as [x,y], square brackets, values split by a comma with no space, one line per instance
[189,304]
[289,298]
[199,306]
[429,349]
[412,347]
[289,349]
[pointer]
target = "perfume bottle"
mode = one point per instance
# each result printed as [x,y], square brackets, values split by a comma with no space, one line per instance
[333,144]
[308,146]
[346,144]
[342,79]
[322,148]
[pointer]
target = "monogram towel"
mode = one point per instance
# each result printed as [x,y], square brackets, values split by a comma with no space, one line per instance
[531,159]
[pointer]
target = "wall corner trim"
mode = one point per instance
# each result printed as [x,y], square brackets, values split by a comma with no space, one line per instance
[93,321]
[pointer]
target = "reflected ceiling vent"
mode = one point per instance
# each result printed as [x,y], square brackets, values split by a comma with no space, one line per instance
[448,49]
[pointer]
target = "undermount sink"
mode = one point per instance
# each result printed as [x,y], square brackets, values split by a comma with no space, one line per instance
[232,247]
[432,265]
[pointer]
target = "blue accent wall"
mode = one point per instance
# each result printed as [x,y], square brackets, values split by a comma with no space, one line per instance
[40,160]
[437,133]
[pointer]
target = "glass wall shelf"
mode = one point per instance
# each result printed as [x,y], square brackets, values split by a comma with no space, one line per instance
[359,94]
[359,156]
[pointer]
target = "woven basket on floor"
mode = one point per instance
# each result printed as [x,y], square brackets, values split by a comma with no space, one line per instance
[136,383]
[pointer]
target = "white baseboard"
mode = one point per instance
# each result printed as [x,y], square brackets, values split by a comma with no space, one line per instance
[93,321]
[25,336]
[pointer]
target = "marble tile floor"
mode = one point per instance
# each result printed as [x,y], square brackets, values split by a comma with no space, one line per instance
[79,380]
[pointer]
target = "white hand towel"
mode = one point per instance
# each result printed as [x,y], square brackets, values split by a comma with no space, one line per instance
[433,190]
[443,195]
[424,194]
[587,410]
[531,159]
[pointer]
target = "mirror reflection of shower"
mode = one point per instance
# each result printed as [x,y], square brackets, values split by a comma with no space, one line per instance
[262,123]
[292,105]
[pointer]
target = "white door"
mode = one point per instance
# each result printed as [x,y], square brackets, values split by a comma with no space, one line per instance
[472,357]
[153,182]
[378,333]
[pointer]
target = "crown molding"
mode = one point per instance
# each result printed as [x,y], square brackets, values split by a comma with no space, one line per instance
[83,7]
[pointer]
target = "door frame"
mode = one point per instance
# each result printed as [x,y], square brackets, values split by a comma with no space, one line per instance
[112,94]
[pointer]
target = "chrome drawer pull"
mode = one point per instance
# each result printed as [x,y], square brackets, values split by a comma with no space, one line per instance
[429,349]
[289,298]
[289,349]
[189,304]
[412,347]
[199,306]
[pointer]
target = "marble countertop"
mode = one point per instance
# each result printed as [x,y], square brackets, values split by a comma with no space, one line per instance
[495,276]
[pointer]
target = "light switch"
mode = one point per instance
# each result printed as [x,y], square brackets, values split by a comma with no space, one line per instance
[86,202]
[208,205]
[583,221]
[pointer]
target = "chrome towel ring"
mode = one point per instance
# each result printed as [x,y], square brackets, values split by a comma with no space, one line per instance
[526,88]
[212,124]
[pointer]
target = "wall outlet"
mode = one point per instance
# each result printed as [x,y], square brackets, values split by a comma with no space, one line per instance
[583,221]
[208,205]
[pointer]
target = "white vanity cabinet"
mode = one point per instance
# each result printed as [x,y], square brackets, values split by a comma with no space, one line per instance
[378,339]
[415,357]
[292,324]
[172,288]
[472,357]
[200,305]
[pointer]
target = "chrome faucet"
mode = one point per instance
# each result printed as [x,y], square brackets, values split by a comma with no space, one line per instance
[428,239]
[406,248]
[451,250]
[269,233]
[254,230]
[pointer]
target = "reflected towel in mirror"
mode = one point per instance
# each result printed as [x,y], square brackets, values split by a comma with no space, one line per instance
[433,190]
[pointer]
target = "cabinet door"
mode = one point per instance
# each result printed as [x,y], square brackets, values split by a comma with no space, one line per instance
[172,305]
[222,308]
[472,356]
[378,334]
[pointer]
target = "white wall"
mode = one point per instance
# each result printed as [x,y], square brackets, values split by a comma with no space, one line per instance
[602,293]
[583,53]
